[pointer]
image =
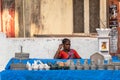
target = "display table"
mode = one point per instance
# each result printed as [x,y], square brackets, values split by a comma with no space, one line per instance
[53,61]
[8,74]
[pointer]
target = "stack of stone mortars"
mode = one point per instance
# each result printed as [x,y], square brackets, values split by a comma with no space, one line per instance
[21,56]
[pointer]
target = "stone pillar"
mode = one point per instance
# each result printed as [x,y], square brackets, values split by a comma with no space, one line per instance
[104,42]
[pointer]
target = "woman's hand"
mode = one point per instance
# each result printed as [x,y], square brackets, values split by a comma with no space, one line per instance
[58,51]
[60,46]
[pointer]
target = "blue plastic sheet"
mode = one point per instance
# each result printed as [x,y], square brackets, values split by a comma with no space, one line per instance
[61,75]
[8,74]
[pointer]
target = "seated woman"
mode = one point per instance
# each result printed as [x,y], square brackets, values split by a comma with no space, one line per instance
[64,51]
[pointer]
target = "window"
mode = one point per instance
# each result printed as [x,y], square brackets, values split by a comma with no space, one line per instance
[83,8]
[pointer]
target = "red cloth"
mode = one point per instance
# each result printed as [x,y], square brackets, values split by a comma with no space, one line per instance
[71,54]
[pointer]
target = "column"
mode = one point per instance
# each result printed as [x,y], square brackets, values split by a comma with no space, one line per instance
[103,15]
[86,16]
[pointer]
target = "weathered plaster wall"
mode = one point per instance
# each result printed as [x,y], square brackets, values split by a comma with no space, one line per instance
[56,16]
[43,17]
[29,17]
[43,47]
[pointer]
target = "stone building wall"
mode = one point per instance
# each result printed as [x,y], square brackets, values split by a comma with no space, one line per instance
[29,17]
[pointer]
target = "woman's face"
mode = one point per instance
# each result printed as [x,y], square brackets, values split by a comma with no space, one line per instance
[67,45]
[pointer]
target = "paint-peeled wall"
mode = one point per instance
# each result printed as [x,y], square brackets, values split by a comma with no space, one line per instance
[43,17]
[24,18]
[7,17]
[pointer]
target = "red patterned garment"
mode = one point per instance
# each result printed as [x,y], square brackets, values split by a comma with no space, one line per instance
[72,54]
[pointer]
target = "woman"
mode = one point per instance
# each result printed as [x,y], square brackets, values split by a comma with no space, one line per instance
[66,52]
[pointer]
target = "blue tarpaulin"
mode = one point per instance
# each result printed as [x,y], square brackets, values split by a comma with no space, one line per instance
[8,74]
